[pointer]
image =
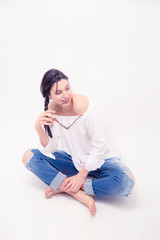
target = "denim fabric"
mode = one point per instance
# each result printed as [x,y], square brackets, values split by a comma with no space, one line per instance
[109,180]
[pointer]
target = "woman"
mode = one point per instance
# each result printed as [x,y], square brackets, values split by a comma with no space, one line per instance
[89,163]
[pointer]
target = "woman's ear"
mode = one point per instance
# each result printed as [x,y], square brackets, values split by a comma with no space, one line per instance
[50,98]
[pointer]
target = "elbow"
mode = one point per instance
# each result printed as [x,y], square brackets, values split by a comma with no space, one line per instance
[44,144]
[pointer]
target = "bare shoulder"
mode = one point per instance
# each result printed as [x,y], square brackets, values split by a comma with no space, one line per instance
[80,103]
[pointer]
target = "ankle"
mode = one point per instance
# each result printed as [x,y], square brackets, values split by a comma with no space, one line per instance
[82,188]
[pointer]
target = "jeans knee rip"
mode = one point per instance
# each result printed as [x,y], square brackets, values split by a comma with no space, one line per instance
[30,155]
[130,175]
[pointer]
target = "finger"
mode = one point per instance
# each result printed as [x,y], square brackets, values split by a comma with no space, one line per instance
[43,114]
[46,116]
[49,115]
[67,181]
[73,185]
[50,111]
[74,189]
[46,119]
[47,123]
[68,185]
[63,183]
[69,189]
[77,189]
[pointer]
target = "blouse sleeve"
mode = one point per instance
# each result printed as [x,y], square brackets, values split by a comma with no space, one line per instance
[94,123]
[52,146]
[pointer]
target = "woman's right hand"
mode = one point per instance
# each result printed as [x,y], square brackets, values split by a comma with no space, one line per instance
[46,118]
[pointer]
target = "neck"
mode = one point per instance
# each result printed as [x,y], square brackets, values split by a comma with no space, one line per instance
[67,109]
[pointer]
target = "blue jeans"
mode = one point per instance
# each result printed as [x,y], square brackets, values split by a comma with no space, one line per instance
[109,180]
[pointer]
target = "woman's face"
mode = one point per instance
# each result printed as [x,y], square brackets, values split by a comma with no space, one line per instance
[61,92]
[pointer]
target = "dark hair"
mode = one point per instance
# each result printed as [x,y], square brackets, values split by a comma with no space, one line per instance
[50,77]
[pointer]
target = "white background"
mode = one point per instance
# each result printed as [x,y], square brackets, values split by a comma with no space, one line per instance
[109,50]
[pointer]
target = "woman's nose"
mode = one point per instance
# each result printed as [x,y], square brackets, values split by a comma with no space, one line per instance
[65,94]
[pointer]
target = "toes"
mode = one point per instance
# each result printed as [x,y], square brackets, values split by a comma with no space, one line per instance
[48,190]
[92,212]
[92,209]
[47,195]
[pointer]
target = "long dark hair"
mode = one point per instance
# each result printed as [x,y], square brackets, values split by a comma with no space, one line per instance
[50,77]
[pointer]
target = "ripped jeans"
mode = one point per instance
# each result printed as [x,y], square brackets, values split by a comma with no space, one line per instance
[112,179]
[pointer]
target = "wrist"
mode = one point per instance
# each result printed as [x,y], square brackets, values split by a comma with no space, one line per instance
[38,128]
[83,172]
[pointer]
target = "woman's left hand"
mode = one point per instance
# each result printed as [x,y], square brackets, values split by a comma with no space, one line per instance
[74,183]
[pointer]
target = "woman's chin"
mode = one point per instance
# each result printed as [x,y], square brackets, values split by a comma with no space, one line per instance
[67,102]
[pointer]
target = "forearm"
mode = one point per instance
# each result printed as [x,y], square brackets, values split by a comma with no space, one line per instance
[43,137]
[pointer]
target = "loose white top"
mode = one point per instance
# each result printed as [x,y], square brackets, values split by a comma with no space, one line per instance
[89,140]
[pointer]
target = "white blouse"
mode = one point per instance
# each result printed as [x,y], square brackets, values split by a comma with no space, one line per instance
[89,140]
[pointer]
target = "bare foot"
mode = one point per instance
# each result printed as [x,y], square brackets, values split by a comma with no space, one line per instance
[85,199]
[81,196]
[49,192]
[91,206]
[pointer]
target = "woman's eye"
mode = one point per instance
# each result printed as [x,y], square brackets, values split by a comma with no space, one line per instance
[67,88]
[57,93]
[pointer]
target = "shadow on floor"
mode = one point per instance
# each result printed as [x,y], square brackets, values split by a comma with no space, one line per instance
[130,202]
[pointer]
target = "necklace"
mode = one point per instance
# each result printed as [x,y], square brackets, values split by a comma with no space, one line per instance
[67,128]
[70,124]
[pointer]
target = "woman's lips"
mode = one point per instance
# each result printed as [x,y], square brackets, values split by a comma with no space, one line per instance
[66,101]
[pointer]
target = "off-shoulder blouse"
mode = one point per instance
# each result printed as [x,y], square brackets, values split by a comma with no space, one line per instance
[89,140]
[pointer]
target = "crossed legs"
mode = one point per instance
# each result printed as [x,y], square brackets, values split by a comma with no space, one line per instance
[81,196]
[112,179]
